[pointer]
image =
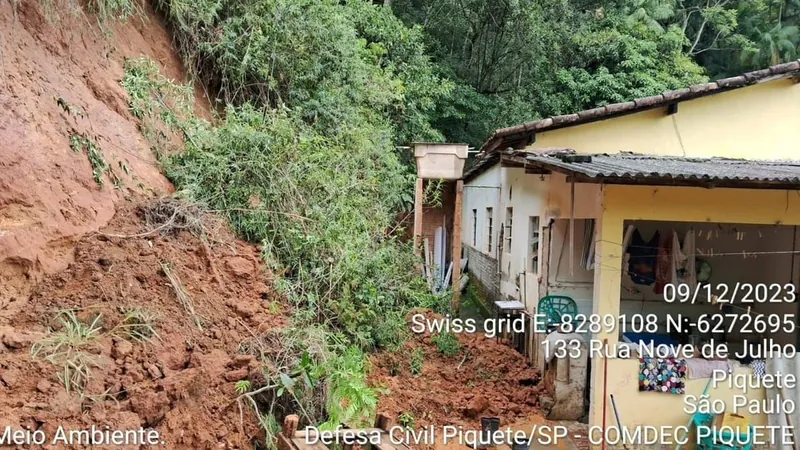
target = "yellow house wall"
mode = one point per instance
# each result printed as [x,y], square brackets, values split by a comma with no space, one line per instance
[621,203]
[755,122]
[650,408]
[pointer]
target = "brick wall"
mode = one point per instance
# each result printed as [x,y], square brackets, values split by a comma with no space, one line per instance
[438,216]
[483,269]
[434,217]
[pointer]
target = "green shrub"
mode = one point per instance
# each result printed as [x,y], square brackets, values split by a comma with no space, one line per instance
[407,420]
[303,162]
[447,344]
[417,361]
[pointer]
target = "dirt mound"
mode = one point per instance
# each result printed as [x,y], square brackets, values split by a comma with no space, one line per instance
[61,97]
[485,379]
[202,297]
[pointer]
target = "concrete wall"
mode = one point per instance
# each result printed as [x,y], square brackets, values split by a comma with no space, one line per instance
[480,193]
[756,122]
[547,197]
[526,195]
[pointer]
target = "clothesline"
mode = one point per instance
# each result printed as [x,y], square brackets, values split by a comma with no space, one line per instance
[701,296]
[739,253]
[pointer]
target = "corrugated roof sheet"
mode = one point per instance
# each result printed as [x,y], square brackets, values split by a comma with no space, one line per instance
[644,168]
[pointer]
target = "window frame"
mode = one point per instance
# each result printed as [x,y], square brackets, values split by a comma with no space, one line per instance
[474,227]
[534,243]
[489,228]
[509,226]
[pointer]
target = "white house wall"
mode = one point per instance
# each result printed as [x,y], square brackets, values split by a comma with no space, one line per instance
[545,196]
[527,195]
[480,193]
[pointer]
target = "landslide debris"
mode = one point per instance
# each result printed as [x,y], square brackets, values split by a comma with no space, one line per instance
[485,378]
[151,362]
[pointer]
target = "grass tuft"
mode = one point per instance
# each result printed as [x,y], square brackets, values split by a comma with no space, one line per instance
[105,11]
[417,361]
[100,168]
[183,297]
[137,325]
[70,349]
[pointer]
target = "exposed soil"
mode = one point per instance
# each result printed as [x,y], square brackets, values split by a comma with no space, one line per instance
[183,384]
[486,379]
[59,77]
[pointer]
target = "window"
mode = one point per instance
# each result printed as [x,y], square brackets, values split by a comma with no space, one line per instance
[509,223]
[533,245]
[474,227]
[489,229]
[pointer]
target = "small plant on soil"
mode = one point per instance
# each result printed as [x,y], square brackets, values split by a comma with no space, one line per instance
[447,344]
[271,429]
[394,368]
[183,297]
[72,110]
[407,420]
[81,143]
[69,349]
[417,359]
[243,386]
[138,325]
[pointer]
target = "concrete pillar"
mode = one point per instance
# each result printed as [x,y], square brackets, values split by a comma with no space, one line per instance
[456,253]
[605,299]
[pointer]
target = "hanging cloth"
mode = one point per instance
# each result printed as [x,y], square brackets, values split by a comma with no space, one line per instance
[664,266]
[683,260]
[642,266]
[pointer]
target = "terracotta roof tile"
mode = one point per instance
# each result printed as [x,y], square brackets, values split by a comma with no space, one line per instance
[517,136]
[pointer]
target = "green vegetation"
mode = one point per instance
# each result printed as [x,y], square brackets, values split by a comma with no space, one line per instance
[417,361]
[474,301]
[70,349]
[407,420]
[100,168]
[73,346]
[320,202]
[137,325]
[243,386]
[446,343]
[516,61]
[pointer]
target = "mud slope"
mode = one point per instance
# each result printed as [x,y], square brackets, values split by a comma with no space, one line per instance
[181,382]
[58,79]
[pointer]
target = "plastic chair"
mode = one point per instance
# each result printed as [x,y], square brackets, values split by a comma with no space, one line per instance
[557,309]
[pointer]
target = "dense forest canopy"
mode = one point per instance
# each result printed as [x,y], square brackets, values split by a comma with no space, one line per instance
[516,60]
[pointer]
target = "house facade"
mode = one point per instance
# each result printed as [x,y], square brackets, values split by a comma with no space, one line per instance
[591,205]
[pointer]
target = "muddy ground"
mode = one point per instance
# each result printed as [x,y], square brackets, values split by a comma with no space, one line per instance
[181,382]
[485,379]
